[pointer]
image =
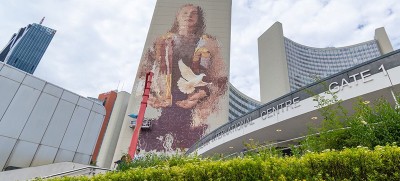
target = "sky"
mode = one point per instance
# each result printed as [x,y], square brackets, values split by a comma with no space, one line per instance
[98,44]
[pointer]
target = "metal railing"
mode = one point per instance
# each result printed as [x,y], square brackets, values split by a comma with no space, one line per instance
[267,146]
[270,145]
[92,171]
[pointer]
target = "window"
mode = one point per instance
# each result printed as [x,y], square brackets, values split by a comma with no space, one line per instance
[104,102]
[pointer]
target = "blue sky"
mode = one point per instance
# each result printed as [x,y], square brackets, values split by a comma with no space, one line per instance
[99,43]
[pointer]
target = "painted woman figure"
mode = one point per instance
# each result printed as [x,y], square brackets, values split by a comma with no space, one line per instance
[189,79]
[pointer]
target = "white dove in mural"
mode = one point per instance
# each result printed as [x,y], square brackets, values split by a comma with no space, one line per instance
[189,80]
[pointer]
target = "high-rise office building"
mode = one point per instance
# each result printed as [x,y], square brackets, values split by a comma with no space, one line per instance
[186,40]
[26,48]
[294,65]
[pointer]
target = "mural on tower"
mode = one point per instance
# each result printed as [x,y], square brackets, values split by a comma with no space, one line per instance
[190,84]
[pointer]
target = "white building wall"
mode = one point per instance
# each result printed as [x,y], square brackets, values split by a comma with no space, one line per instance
[375,86]
[41,123]
[383,40]
[274,58]
[218,22]
[274,78]
[106,153]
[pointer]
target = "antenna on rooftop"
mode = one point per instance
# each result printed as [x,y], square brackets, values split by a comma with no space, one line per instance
[118,85]
[41,21]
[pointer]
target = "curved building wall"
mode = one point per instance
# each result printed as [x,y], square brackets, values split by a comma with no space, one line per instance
[286,66]
[41,123]
[307,64]
[239,103]
[288,117]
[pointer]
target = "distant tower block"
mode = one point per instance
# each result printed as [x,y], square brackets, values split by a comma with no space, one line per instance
[26,48]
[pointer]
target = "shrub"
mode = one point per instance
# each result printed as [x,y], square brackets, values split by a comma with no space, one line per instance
[381,163]
[369,125]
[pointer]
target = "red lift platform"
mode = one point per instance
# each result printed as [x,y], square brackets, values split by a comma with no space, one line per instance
[140,116]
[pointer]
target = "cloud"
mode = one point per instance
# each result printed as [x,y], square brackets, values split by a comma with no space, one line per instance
[99,43]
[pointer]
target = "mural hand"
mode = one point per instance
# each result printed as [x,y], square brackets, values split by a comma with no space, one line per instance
[186,104]
[198,95]
[158,102]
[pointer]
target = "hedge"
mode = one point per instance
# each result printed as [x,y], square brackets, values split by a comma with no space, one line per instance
[361,163]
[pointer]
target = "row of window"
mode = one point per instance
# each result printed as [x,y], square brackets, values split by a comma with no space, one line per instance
[243,106]
[239,105]
[244,100]
[26,54]
[306,64]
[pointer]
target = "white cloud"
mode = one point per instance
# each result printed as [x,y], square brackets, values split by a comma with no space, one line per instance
[99,43]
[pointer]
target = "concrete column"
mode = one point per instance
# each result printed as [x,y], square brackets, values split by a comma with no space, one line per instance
[274,78]
[383,40]
[105,158]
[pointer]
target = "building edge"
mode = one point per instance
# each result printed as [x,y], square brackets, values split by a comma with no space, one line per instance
[272,64]
[383,40]
[108,101]
[107,150]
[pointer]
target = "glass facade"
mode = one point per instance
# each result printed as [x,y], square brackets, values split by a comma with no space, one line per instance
[307,64]
[26,48]
[239,104]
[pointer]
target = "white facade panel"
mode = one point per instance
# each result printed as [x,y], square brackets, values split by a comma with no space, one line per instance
[70,97]
[8,89]
[18,112]
[64,156]
[7,144]
[34,118]
[75,129]
[88,139]
[373,83]
[23,153]
[12,73]
[58,124]
[394,75]
[34,82]
[110,140]
[99,109]
[53,90]
[81,158]
[39,118]
[44,155]
[85,103]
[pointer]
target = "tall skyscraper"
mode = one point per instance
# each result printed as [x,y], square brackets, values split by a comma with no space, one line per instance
[26,48]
